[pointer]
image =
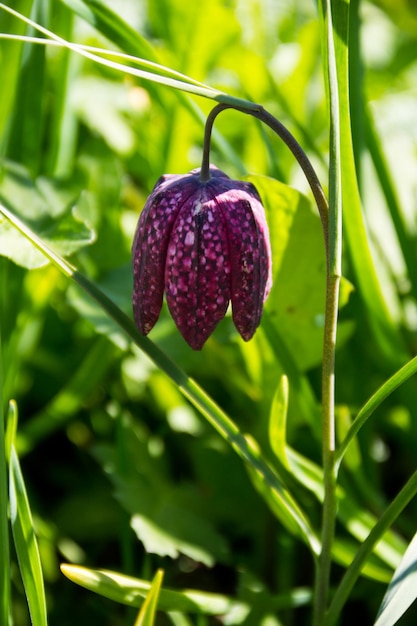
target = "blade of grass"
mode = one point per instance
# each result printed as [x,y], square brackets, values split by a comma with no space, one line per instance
[133,591]
[5,604]
[63,126]
[169,78]
[406,241]
[25,141]
[147,612]
[112,26]
[351,575]
[387,339]
[10,54]
[402,590]
[298,382]
[26,544]
[189,388]
[397,379]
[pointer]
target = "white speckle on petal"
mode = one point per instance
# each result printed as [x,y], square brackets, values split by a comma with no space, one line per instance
[189,238]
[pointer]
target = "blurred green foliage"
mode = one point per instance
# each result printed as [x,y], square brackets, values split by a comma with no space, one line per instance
[121,471]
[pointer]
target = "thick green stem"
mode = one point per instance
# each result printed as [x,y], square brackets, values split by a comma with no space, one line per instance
[329,343]
[328,451]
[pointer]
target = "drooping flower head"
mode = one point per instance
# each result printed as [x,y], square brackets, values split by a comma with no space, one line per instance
[204,243]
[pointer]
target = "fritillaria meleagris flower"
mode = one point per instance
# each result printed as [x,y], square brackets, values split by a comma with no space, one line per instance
[204,244]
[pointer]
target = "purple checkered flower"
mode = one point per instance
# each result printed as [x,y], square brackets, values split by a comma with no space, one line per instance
[204,243]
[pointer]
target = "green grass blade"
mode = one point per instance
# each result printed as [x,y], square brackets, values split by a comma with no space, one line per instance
[5,604]
[11,428]
[168,78]
[387,338]
[402,590]
[406,241]
[133,591]
[112,26]
[10,54]
[344,589]
[373,403]
[63,124]
[276,490]
[299,384]
[25,142]
[147,613]
[26,543]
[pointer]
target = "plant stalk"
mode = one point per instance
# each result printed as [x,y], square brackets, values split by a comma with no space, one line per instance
[330,232]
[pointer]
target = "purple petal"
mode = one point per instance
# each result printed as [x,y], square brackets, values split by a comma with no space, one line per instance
[250,256]
[151,243]
[197,276]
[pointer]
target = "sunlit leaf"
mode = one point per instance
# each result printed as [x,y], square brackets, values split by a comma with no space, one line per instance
[26,543]
[133,591]
[277,421]
[50,208]
[402,590]
[296,302]
[147,613]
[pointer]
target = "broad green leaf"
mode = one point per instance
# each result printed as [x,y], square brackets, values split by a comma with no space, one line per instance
[147,613]
[52,211]
[296,301]
[26,543]
[133,591]
[402,590]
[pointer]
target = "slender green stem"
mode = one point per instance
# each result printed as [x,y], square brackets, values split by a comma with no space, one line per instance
[331,230]
[328,451]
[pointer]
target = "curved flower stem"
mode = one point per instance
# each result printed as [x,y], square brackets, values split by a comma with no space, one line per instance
[261,114]
[323,563]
